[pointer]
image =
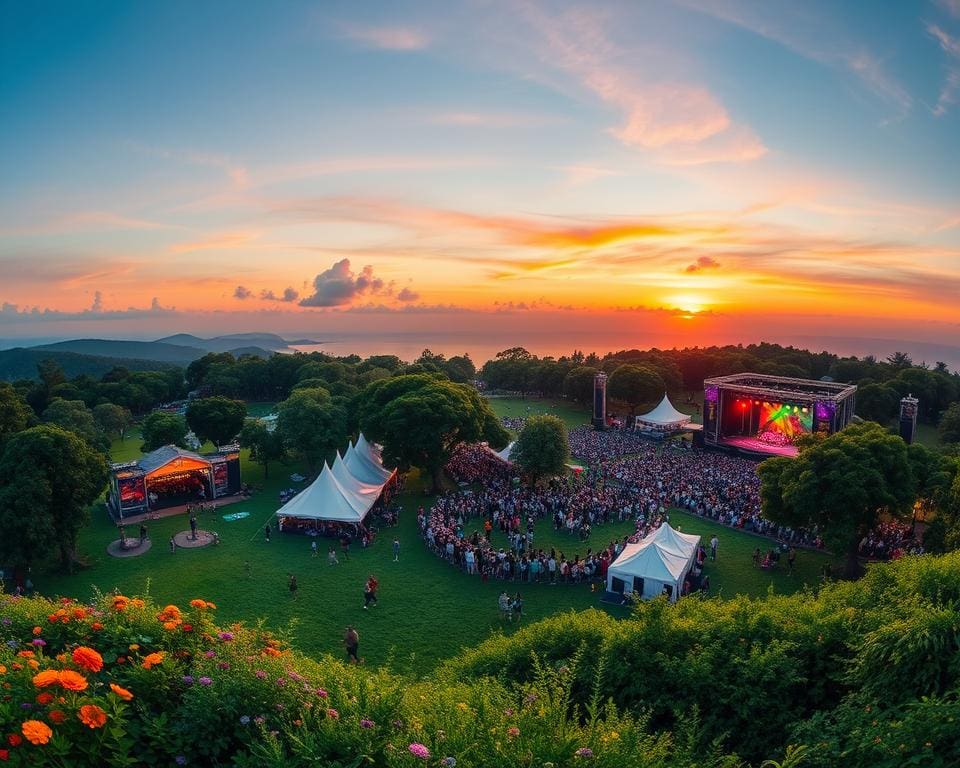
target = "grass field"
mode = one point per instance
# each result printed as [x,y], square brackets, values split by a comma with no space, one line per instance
[428,610]
[514,407]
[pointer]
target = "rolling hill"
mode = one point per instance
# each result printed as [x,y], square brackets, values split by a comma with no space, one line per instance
[21,363]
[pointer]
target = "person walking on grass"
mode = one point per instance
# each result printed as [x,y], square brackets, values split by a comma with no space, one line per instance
[503,603]
[351,640]
[266,532]
[293,587]
[396,550]
[517,606]
[370,591]
[332,557]
[313,547]
[791,559]
[173,546]
[714,543]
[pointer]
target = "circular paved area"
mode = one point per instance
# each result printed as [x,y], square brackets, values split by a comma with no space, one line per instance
[185,539]
[133,548]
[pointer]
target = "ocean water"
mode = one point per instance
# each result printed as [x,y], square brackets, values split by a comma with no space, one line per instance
[482,347]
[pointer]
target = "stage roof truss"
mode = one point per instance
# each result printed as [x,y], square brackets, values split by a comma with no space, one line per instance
[790,389]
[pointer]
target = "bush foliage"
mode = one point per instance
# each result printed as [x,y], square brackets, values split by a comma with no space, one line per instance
[860,674]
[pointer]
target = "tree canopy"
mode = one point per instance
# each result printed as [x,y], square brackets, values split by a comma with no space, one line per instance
[842,485]
[949,426]
[49,477]
[265,446]
[635,385]
[160,428]
[218,419]
[113,419]
[542,449]
[74,416]
[420,419]
[14,412]
[312,425]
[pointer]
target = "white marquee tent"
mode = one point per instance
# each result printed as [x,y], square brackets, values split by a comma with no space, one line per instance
[345,492]
[664,417]
[663,558]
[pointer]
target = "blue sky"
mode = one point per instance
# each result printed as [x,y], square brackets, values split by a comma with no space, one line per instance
[715,160]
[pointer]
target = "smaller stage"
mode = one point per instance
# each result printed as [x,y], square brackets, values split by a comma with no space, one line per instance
[756,446]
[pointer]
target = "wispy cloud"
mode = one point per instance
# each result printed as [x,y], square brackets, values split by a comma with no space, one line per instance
[950,91]
[797,28]
[13,313]
[217,242]
[388,38]
[674,119]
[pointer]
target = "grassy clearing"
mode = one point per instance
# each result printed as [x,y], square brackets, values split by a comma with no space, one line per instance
[514,407]
[428,610]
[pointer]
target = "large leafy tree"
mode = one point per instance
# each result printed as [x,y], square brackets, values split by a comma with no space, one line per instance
[49,477]
[841,485]
[542,449]
[113,419]
[578,384]
[311,424]
[420,419]
[877,402]
[218,419]
[74,416]
[949,426]
[635,385]
[14,412]
[265,446]
[161,428]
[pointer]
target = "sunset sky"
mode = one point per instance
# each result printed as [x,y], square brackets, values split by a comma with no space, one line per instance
[719,166]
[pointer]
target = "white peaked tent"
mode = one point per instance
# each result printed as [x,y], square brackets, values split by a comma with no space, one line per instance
[364,463]
[323,499]
[663,417]
[345,492]
[506,453]
[663,558]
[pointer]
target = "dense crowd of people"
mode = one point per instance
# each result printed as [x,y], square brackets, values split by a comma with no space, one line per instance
[593,446]
[889,541]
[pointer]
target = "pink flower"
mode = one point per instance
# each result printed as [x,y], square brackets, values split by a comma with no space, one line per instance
[260,674]
[367,723]
[321,693]
[585,752]
[513,732]
[333,714]
[419,750]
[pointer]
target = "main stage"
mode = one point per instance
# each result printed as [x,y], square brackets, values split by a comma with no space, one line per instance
[765,415]
[756,447]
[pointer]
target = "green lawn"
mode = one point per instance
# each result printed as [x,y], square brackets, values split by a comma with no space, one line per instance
[572,415]
[428,610]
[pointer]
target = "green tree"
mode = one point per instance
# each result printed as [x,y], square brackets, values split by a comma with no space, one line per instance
[49,477]
[635,385]
[14,412]
[311,425]
[113,419]
[900,361]
[161,429]
[460,369]
[74,416]
[877,402]
[841,485]
[218,419]
[420,419]
[949,426]
[542,449]
[578,384]
[265,446]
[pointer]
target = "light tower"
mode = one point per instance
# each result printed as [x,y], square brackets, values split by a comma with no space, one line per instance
[908,418]
[600,401]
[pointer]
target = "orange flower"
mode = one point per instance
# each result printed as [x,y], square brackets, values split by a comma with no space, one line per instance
[26,654]
[79,614]
[120,603]
[198,603]
[37,732]
[33,664]
[45,678]
[37,631]
[92,716]
[268,651]
[88,659]
[169,625]
[137,603]
[152,660]
[44,698]
[123,693]
[72,681]
[211,606]
[3,670]
[96,626]
[56,716]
